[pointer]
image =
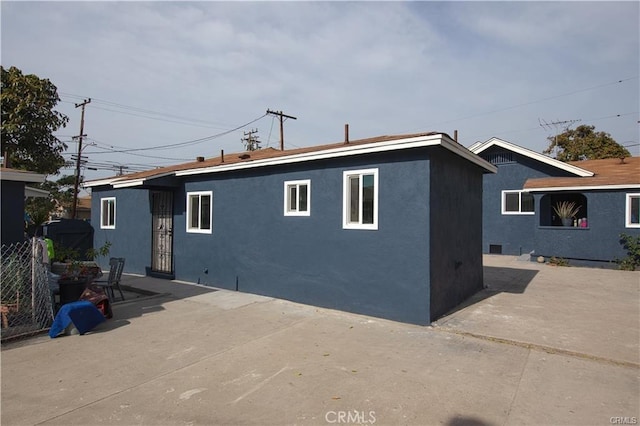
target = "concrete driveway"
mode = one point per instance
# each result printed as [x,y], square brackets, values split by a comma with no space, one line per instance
[541,345]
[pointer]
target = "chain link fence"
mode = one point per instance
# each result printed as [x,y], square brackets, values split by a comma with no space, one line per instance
[25,295]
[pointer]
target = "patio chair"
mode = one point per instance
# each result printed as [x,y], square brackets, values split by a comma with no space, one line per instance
[116,265]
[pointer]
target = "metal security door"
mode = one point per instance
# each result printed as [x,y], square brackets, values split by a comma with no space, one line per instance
[162,244]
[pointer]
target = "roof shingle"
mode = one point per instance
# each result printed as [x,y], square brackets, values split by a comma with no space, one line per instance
[608,172]
[248,156]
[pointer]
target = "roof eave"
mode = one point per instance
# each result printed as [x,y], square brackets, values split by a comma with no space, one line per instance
[100,182]
[350,150]
[478,148]
[21,176]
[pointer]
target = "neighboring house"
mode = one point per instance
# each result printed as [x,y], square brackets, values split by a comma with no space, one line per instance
[83,208]
[12,195]
[388,226]
[519,200]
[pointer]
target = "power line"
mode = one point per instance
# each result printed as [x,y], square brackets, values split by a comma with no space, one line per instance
[186,143]
[164,120]
[535,101]
[282,116]
[142,110]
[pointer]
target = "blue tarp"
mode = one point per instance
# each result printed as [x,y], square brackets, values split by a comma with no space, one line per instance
[82,314]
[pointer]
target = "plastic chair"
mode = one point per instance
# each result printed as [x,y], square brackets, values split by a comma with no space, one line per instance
[116,266]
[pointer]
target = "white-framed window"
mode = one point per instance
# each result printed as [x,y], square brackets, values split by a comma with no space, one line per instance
[517,202]
[297,198]
[360,195]
[108,213]
[632,209]
[200,212]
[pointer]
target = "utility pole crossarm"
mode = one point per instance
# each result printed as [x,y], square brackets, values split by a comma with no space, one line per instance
[78,160]
[282,117]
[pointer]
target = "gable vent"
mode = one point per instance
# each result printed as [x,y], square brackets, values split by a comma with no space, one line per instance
[499,157]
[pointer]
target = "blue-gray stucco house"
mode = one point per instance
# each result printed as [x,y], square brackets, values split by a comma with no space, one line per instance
[518,208]
[12,195]
[388,226]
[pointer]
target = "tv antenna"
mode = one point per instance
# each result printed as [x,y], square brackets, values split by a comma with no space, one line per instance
[556,125]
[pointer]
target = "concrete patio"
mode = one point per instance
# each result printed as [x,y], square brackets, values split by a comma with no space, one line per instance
[542,345]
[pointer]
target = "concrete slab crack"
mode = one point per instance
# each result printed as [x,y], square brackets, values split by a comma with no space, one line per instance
[541,348]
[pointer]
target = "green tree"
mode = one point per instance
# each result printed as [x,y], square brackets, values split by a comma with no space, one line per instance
[60,197]
[28,122]
[584,143]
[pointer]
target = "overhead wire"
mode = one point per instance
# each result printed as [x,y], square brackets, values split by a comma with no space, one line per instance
[141,110]
[185,143]
[535,101]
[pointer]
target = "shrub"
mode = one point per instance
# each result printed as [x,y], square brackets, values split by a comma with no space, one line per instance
[632,245]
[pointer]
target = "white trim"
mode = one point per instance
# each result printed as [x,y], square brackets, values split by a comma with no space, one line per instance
[346,150]
[125,183]
[342,151]
[477,149]
[504,203]
[475,146]
[627,210]
[297,183]
[199,230]
[346,202]
[100,182]
[102,212]
[129,183]
[584,188]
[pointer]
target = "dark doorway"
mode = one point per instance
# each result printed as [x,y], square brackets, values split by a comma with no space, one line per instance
[162,238]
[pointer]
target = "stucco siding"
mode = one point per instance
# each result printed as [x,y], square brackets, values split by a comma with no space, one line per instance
[513,233]
[12,201]
[131,237]
[599,241]
[312,259]
[456,232]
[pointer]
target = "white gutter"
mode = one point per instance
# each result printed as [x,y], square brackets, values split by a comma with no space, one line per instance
[100,182]
[583,188]
[140,181]
[346,150]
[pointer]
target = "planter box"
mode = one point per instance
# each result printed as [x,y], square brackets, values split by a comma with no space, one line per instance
[71,288]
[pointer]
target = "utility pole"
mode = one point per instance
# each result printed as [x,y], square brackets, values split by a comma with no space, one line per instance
[282,116]
[555,125]
[251,142]
[121,169]
[78,162]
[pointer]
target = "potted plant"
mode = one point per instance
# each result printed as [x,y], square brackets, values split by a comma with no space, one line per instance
[566,211]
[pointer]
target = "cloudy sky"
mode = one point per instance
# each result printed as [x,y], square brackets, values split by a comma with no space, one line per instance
[173,73]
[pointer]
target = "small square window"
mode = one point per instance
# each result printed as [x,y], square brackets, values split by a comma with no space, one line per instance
[200,212]
[517,202]
[360,193]
[632,219]
[297,198]
[108,213]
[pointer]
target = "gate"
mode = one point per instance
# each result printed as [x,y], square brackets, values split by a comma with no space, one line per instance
[162,240]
